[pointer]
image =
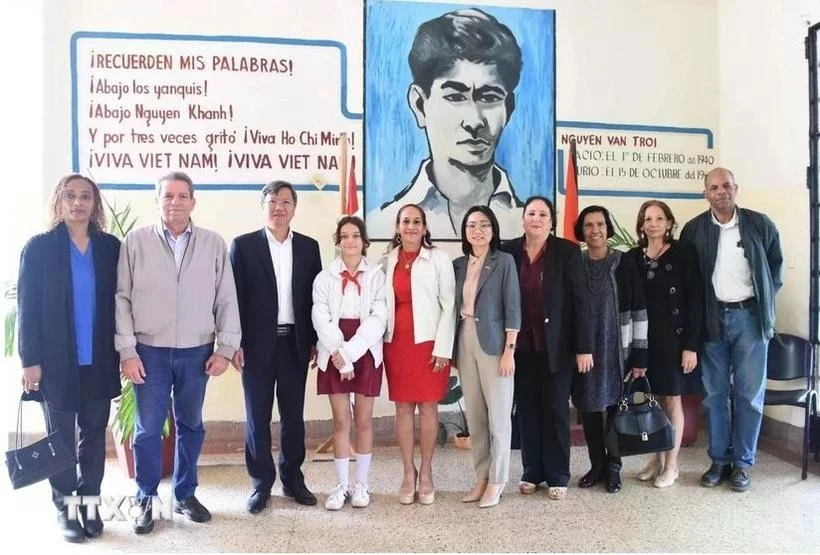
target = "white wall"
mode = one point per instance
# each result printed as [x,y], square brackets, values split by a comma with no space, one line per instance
[764,126]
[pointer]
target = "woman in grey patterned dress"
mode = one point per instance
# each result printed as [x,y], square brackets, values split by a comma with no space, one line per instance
[619,329]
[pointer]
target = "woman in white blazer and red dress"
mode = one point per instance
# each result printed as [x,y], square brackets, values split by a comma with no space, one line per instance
[349,315]
[421,327]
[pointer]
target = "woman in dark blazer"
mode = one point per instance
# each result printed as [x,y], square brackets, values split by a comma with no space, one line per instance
[489,307]
[671,280]
[65,296]
[555,337]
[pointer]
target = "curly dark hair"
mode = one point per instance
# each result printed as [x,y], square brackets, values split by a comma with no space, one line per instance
[97,219]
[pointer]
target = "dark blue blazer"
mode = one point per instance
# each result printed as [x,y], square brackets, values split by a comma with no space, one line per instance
[259,302]
[45,314]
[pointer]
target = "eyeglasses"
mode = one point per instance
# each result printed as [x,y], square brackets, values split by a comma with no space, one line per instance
[71,196]
[283,203]
[482,226]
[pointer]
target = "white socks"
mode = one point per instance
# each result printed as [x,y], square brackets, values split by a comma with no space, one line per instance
[362,467]
[342,466]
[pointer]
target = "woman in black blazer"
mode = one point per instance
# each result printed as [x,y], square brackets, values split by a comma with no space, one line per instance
[555,338]
[671,280]
[65,296]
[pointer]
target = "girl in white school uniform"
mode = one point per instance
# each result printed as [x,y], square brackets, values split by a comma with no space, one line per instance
[350,317]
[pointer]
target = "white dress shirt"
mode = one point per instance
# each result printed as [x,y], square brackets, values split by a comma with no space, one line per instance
[381,221]
[732,278]
[178,244]
[282,256]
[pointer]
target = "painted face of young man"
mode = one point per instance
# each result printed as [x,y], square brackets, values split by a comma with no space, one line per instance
[464,114]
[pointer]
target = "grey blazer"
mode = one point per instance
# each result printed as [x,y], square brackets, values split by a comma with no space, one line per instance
[497,300]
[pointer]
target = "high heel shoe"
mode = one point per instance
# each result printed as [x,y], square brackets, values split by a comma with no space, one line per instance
[475,494]
[492,495]
[666,478]
[407,498]
[651,470]
[426,498]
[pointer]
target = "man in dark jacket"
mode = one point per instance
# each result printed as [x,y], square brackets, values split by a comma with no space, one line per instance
[740,260]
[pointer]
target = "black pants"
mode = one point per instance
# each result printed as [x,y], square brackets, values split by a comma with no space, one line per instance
[286,376]
[92,419]
[542,403]
[594,431]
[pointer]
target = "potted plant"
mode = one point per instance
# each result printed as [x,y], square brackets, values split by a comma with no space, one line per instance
[462,435]
[10,317]
[125,417]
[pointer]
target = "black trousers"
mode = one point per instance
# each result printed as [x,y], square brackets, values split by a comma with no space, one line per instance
[91,419]
[542,403]
[285,377]
[594,433]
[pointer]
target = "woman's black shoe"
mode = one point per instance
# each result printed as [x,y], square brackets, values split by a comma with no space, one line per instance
[613,481]
[591,478]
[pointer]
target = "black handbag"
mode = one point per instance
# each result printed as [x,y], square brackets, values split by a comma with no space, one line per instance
[639,428]
[40,460]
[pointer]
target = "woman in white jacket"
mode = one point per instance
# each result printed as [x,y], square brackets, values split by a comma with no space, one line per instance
[350,317]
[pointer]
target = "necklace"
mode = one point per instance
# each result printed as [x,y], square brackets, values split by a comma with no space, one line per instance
[596,273]
[407,263]
[649,259]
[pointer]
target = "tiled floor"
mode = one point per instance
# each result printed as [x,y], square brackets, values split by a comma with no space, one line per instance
[779,513]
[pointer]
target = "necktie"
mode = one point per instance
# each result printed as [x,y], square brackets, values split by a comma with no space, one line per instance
[347,277]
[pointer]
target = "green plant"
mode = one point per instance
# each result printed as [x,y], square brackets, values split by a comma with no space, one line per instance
[622,239]
[454,395]
[10,317]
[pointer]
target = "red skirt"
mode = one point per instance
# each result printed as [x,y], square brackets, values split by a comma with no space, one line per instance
[367,378]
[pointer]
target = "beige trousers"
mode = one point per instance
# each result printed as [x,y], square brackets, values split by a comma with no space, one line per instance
[488,400]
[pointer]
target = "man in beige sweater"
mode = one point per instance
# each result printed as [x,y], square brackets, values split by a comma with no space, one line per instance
[175,296]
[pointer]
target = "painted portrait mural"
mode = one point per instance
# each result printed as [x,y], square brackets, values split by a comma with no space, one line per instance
[459,110]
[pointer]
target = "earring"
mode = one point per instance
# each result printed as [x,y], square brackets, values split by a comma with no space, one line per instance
[398,238]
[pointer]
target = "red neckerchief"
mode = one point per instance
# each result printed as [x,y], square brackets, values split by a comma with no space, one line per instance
[347,277]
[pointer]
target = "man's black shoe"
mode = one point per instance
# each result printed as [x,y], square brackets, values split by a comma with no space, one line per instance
[591,478]
[739,480]
[300,494]
[144,523]
[258,501]
[193,509]
[72,529]
[716,475]
[613,481]
[93,527]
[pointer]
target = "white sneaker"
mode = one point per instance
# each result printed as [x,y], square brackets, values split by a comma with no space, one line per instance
[336,499]
[361,497]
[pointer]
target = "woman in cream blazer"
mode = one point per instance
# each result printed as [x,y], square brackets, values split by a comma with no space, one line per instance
[418,343]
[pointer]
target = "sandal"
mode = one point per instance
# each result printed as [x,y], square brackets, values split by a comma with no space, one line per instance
[527,487]
[557,493]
